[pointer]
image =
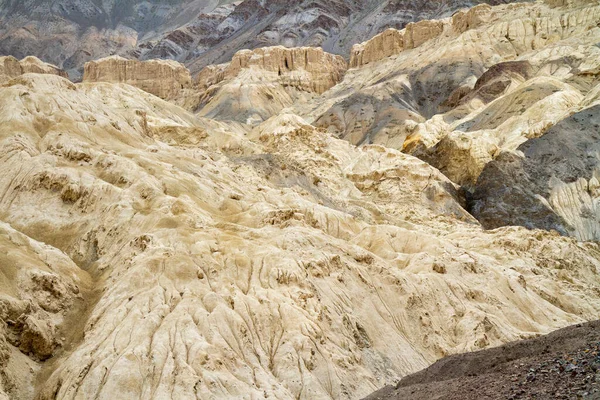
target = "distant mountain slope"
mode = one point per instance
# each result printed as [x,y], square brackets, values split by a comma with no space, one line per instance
[70,32]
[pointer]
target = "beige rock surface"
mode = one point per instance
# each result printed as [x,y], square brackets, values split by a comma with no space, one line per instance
[434,77]
[479,84]
[550,183]
[252,250]
[163,78]
[277,262]
[258,84]
[393,41]
[10,67]
[388,43]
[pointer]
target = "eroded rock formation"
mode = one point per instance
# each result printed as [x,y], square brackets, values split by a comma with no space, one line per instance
[258,84]
[386,44]
[163,78]
[306,68]
[216,260]
[69,33]
[10,67]
[552,183]
[492,80]
[249,248]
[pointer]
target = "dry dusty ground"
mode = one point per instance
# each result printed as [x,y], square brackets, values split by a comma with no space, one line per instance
[562,365]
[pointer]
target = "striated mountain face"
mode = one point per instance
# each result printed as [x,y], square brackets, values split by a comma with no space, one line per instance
[163,78]
[258,84]
[285,226]
[69,33]
[481,94]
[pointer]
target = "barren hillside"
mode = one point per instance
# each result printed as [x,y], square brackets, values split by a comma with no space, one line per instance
[290,225]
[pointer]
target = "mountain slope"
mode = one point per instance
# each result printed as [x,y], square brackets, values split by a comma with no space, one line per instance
[277,262]
[69,33]
[245,246]
[561,365]
[502,100]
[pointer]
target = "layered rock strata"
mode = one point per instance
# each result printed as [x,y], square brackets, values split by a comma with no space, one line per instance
[10,67]
[257,84]
[163,78]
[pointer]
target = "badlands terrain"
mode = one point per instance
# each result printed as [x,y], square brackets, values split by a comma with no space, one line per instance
[69,33]
[290,223]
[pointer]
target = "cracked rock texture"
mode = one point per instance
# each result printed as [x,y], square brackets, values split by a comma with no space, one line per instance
[285,228]
[259,84]
[163,78]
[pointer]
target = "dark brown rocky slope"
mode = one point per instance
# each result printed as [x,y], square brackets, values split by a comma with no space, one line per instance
[562,365]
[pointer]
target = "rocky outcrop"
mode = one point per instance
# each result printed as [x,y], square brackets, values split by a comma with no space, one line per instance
[472,18]
[10,67]
[494,82]
[305,68]
[551,184]
[495,73]
[40,290]
[69,33]
[34,65]
[248,251]
[388,43]
[163,78]
[460,157]
[392,42]
[420,32]
[264,81]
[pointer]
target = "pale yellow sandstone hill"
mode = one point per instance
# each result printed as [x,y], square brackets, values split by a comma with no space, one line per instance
[259,84]
[210,260]
[252,250]
[163,78]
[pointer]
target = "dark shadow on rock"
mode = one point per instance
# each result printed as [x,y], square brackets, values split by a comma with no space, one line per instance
[511,189]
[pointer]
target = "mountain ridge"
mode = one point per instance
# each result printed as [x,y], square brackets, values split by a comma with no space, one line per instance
[195,33]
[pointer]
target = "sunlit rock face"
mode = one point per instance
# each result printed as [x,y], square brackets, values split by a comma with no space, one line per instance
[69,33]
[284,226]
[218,260]
[259,84]
[162,78]
[10,67]
[489,83]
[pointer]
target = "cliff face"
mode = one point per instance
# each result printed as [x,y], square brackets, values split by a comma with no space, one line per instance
[264,81]
[69,33]
[305,68]
[386,44]
[163,78]
[392,41]
[10,67]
